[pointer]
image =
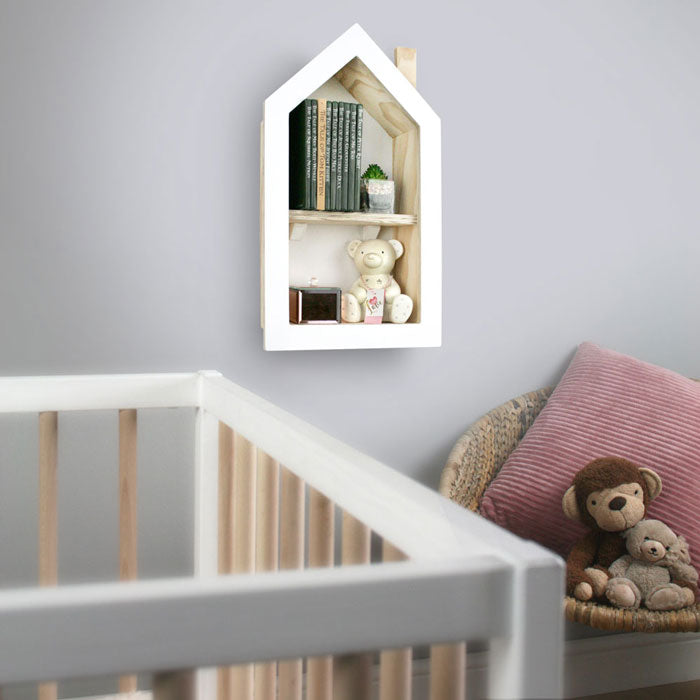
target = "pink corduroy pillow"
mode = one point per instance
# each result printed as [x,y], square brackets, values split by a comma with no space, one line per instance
[606,404]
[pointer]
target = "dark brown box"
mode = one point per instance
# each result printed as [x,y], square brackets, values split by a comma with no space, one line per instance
[314,305]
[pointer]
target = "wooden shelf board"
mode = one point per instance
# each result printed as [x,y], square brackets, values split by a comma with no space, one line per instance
[300,216]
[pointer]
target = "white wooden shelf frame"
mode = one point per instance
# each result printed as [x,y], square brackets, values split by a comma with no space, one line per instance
[390,97]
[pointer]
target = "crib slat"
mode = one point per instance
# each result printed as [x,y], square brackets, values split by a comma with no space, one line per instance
[128,512]
[447,671]
[225,534]
[319,670]
[291,557]
[395,665]
[244,463]
[174,685]
[48,514]
[266,552]
[352,673]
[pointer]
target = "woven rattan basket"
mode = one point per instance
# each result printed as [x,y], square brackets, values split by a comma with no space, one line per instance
[476,459]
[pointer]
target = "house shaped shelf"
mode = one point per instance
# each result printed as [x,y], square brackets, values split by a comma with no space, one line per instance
[407,134]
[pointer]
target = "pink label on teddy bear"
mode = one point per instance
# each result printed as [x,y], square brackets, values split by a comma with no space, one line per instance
[374,306]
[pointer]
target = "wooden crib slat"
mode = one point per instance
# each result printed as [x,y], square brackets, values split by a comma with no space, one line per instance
[174,685]
[291,557]
[395,665]
[319,669]
[447,671]
[225,535]
[48,514]
[352,673]
[128,512]
[266,553]
[244,464]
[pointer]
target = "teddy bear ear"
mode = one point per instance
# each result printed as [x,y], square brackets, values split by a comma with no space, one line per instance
[653,482]
[352,247]
[397,246]
[569,505]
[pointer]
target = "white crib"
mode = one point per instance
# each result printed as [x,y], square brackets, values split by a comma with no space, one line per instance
[291,622]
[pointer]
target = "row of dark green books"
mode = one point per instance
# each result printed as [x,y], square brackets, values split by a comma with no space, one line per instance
[325,151]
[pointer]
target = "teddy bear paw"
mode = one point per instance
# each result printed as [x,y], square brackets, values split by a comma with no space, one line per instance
[583,591]
[667,597]
[688,595]
[401,309]
[623,593]
[350,309]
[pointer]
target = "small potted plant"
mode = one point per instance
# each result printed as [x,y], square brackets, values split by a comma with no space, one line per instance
[376,191]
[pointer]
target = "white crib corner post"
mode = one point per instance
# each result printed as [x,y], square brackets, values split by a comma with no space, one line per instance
[206,499]
[529,662]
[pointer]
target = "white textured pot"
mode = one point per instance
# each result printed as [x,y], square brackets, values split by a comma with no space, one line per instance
[377,196]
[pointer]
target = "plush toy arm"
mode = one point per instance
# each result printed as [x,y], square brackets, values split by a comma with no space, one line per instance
[581,557]
[684,575]
[619,567]
[392,291]
[359,291]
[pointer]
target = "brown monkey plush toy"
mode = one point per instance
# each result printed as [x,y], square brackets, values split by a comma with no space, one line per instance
[609,495]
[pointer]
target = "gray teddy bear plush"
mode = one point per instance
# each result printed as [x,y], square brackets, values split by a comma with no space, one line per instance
[657,571]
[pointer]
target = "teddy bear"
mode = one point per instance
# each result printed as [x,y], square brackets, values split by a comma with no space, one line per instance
[609,495]
[375,260]
[656,571]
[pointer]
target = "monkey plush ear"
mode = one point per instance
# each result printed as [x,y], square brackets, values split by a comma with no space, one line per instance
[653,482]
[353,246]
[568,503]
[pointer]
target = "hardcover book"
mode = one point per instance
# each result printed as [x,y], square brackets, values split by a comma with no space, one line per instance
[321,158]
[334,154]
[358,156]
[339,178]
[352,157]
[314,153]
[300,156]
[327,179]
[346,156]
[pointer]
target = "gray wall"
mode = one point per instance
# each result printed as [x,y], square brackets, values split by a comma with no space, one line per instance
[129,198]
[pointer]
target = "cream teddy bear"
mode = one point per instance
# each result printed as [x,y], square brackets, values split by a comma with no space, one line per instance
[656,572]
[375,260]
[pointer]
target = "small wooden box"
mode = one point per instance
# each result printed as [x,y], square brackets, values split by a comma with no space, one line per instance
[314,305]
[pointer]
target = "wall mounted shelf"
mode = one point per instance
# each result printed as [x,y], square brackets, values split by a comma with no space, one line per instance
[369,223]
[295,244]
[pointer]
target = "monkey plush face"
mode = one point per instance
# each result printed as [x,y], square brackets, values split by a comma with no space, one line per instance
[611,494]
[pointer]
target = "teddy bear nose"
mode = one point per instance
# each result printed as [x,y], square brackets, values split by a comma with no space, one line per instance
[372,260]
[617,503]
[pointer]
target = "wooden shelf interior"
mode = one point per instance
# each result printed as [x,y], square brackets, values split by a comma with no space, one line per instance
[365,88]
[350,218]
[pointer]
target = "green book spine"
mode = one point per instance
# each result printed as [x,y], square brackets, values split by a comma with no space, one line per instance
[339,177]
[358,156]
[297,160]
[314,154]
[346,157]
[307,154]
[334,154]
[353,155]
[327,193]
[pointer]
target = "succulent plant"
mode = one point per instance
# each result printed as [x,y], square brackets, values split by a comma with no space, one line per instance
[374,172]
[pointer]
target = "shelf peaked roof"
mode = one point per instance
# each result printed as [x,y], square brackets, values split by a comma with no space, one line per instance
[368,74]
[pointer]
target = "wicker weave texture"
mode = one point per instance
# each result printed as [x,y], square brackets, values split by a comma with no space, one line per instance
[475,460]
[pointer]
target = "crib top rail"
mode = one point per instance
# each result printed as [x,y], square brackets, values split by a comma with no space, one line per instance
[464,578]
